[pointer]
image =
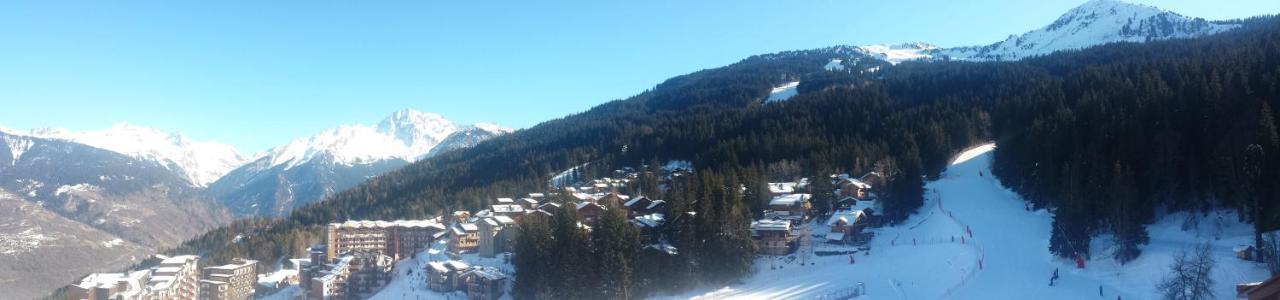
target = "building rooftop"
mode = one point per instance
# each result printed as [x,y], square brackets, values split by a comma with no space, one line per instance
[789,199]
[387,224]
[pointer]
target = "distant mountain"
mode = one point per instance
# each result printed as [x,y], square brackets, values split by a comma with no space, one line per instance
[307,169]
[199,162]
[67,208]
[1093,23]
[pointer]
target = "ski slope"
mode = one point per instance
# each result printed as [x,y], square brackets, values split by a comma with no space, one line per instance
[1007,256]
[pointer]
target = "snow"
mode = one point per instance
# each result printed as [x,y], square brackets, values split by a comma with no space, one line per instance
[895,54]
[561,179]
[783,92]
[200,162]
[17,146]
[26,240]
[406,135]
[113,243]
[83,187]
[1094,23]
[789,199]
[413,285]
[920,260]
[835,64]
[676,165]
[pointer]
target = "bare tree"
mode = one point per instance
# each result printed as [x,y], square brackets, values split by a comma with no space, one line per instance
[1190,276]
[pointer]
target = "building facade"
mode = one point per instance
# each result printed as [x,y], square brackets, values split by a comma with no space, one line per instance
[234,281]
[398,239]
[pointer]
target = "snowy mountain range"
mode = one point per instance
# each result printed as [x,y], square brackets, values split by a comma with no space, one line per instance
[1097,22]
[275,181]
[307,169]
[199,162]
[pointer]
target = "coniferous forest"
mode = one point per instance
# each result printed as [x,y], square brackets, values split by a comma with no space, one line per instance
[1107,138]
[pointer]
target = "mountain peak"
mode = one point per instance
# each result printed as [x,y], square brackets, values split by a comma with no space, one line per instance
[1096,22]
[406,134]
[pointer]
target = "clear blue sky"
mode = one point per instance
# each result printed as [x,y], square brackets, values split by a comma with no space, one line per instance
[256,74]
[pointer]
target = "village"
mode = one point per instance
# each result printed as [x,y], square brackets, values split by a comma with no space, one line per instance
[467,254]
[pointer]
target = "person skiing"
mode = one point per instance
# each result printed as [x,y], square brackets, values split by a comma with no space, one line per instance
[1054,278]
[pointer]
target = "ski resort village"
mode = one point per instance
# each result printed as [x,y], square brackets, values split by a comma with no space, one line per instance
[974,239]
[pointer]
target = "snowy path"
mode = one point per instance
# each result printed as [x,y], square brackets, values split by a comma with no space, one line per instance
[1015,241]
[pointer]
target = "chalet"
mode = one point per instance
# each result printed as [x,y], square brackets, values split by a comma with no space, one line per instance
[497,235]
[527,203]
[772,237]
[613,200]
[845,225]
[445,276]
[464,237]
[649,226]
[484,283]
[850,187]
[369,272]
[513,211]
[536,214]
[637,206]
[589,212]
[794,207]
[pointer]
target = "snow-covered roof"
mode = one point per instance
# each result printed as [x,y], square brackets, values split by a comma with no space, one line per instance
[649,220]
[782,187]
[537,195]
[507,208]
[835,236]
[504,220]
[389,224]
[789,199]
[856,183]
[635,200]
[655,204]
[487,273]
[771,225]
[506,200]
[848,217]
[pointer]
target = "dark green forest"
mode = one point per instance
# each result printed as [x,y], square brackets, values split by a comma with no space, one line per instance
[1107,138]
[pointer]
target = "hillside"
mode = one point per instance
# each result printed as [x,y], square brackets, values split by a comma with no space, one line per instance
[1004,258]
[1075,127]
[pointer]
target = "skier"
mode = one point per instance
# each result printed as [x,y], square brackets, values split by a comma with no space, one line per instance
[1054,277]
[1099,290]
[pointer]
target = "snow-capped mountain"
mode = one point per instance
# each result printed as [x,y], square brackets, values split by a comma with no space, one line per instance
[199,162]
[307,169]
[1093,23]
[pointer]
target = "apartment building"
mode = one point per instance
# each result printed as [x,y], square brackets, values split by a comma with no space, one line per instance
[234,281]
[176,277]
[398,239]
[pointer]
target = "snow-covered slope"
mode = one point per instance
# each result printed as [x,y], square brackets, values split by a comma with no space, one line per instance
[933,255]
[1096,22]
[895,54]
[200,162]
[783,92]
[307,169]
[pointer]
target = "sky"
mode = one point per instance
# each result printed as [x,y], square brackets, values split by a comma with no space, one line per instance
[256,74]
